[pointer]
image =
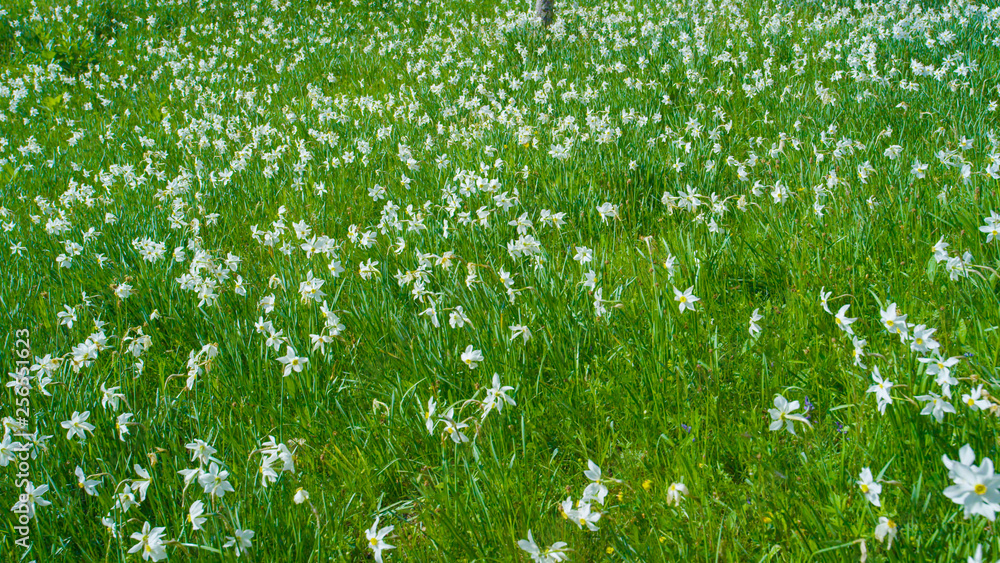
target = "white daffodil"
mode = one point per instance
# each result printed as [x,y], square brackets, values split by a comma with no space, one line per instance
[685,299]
[782,415]
[869,487]
[376,539]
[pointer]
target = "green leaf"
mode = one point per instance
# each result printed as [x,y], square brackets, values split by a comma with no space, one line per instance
[51,102]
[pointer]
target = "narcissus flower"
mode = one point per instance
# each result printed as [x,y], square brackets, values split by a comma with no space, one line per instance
[676,493]
[685,299]
[150,543]
[196,515]
[77,425]
[885,530]
[782,415]
[89,486]
[976,488]
[376,539]
[754,327]
[472,357]
[880,388]
[552,554]
[869,487]
[936,406]
[843,321]
[292,362]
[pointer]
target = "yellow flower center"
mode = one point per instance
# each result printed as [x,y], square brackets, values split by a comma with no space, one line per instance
[980,489]
[864,488]
[373,542]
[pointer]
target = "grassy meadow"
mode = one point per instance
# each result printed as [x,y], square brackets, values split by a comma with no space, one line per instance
[664,281]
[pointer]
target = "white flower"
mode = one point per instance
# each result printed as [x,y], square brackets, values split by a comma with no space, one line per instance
[429,415]
[596,490]
[150,543]
[123,291]
[859,351]
[196,515]
[376,539]
[754,327]
[292,362]
[89,486]
[301,495]
[67,317]
[886,529]
[472,357]
[496,396]
[520,330]
[608,211]
[940,249]
[843,321]
[881,389]
[992,227]
[823,296]
[583,255]
[454,429]
[676,493]
[975,400]
[936,406]
[457,319]
[215,481]
[869,487]
[77,425]
[782,415]
[9,450]
[31,498]
[685,299]
[976,487]
[922,341]
[552,554]
[584,516]
[201,451]
[893,322]
[141,485]
[240,541]
[941,370]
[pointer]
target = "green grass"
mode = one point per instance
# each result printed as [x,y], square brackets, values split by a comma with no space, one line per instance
[652,395]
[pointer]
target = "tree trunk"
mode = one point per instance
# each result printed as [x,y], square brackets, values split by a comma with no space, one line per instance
[543,9]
